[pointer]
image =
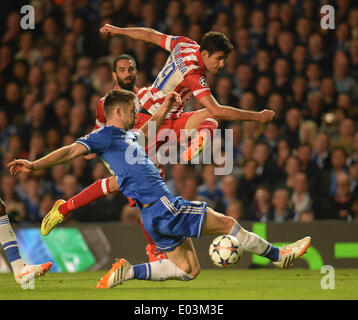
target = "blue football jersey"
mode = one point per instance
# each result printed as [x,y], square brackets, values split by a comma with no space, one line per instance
[137,176]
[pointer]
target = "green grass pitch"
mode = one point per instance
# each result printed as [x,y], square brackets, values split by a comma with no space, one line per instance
[213,284]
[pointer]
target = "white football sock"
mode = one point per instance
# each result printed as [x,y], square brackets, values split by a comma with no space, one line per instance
[250,241]
[157,271]
[9,243]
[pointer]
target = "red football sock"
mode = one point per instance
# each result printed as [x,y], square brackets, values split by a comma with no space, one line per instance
[96,190]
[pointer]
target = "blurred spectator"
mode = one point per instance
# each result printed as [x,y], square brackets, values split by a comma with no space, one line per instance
[281,211]
[243,80]
[343,198]
[328,181]
[353,54]
[344,82]
[270,137]
[32,202]
[320,152]
[210,188]
[276,103]
[15,209]
[345,139]
[329,93]
[282,153]
[260,206]
[223,91]
[298,92]
[28,51]
[229,190]
[352,165]
[190,191]
[290,131]
[46,204]
[235,209]
[316,50]
[300,197]
[267,171]
[290,169]
[308,166]
[263,89]
[178,174]
[308,132]
[247,183]
[314,110]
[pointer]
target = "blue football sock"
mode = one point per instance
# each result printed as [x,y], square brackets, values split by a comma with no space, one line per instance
[272,253]
[142,271]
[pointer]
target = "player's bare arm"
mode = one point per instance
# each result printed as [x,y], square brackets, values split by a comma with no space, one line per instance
[54,158]
[144,34]
[233,114]
[170,101]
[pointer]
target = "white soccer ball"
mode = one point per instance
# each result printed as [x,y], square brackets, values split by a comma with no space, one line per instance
[225,251]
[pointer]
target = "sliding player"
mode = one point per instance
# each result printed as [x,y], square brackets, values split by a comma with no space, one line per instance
[22,272]
[124,73]
[170,221]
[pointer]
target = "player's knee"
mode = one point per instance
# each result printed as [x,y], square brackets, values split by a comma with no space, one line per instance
[195,272]
[228,223]
[191,271]
[2,208]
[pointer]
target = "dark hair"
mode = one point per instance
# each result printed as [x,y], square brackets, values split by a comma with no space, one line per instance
[115,98]
[214,42]
[123,56]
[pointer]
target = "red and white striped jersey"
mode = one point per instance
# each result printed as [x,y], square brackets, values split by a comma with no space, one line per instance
[184,72]
[100,114]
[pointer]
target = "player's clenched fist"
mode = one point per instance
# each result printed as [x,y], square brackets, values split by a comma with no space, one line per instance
[266,115]
[172,99]
[108,28]
[20,165]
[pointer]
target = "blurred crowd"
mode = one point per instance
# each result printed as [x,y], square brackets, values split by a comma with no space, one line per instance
[301,167]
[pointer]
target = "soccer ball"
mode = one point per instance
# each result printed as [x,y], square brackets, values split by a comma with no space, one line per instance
[225,251]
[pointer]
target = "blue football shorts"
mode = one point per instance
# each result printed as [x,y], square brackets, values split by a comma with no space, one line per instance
[170,220]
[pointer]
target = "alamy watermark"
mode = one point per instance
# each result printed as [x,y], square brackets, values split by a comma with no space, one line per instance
[327,20]
[328,280]
[167,147]
[28,281]
[28,20]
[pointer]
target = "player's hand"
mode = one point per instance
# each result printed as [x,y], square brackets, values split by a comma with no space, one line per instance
[266,115]
[172,99]
[109,29]
[20,165]
[90,156]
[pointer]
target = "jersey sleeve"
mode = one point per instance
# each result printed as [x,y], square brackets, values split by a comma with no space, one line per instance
[198,85]
[168,42]
[100,115]
[98,141]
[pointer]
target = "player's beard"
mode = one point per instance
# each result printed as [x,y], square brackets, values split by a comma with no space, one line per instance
[127,85]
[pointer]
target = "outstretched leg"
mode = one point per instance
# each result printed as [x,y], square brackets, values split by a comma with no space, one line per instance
[22,272]
[182,264]
[216,223]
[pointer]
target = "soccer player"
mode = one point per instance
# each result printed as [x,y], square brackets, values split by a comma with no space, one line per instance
[124,73]
[22,272]
[184,72]
[170,221]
